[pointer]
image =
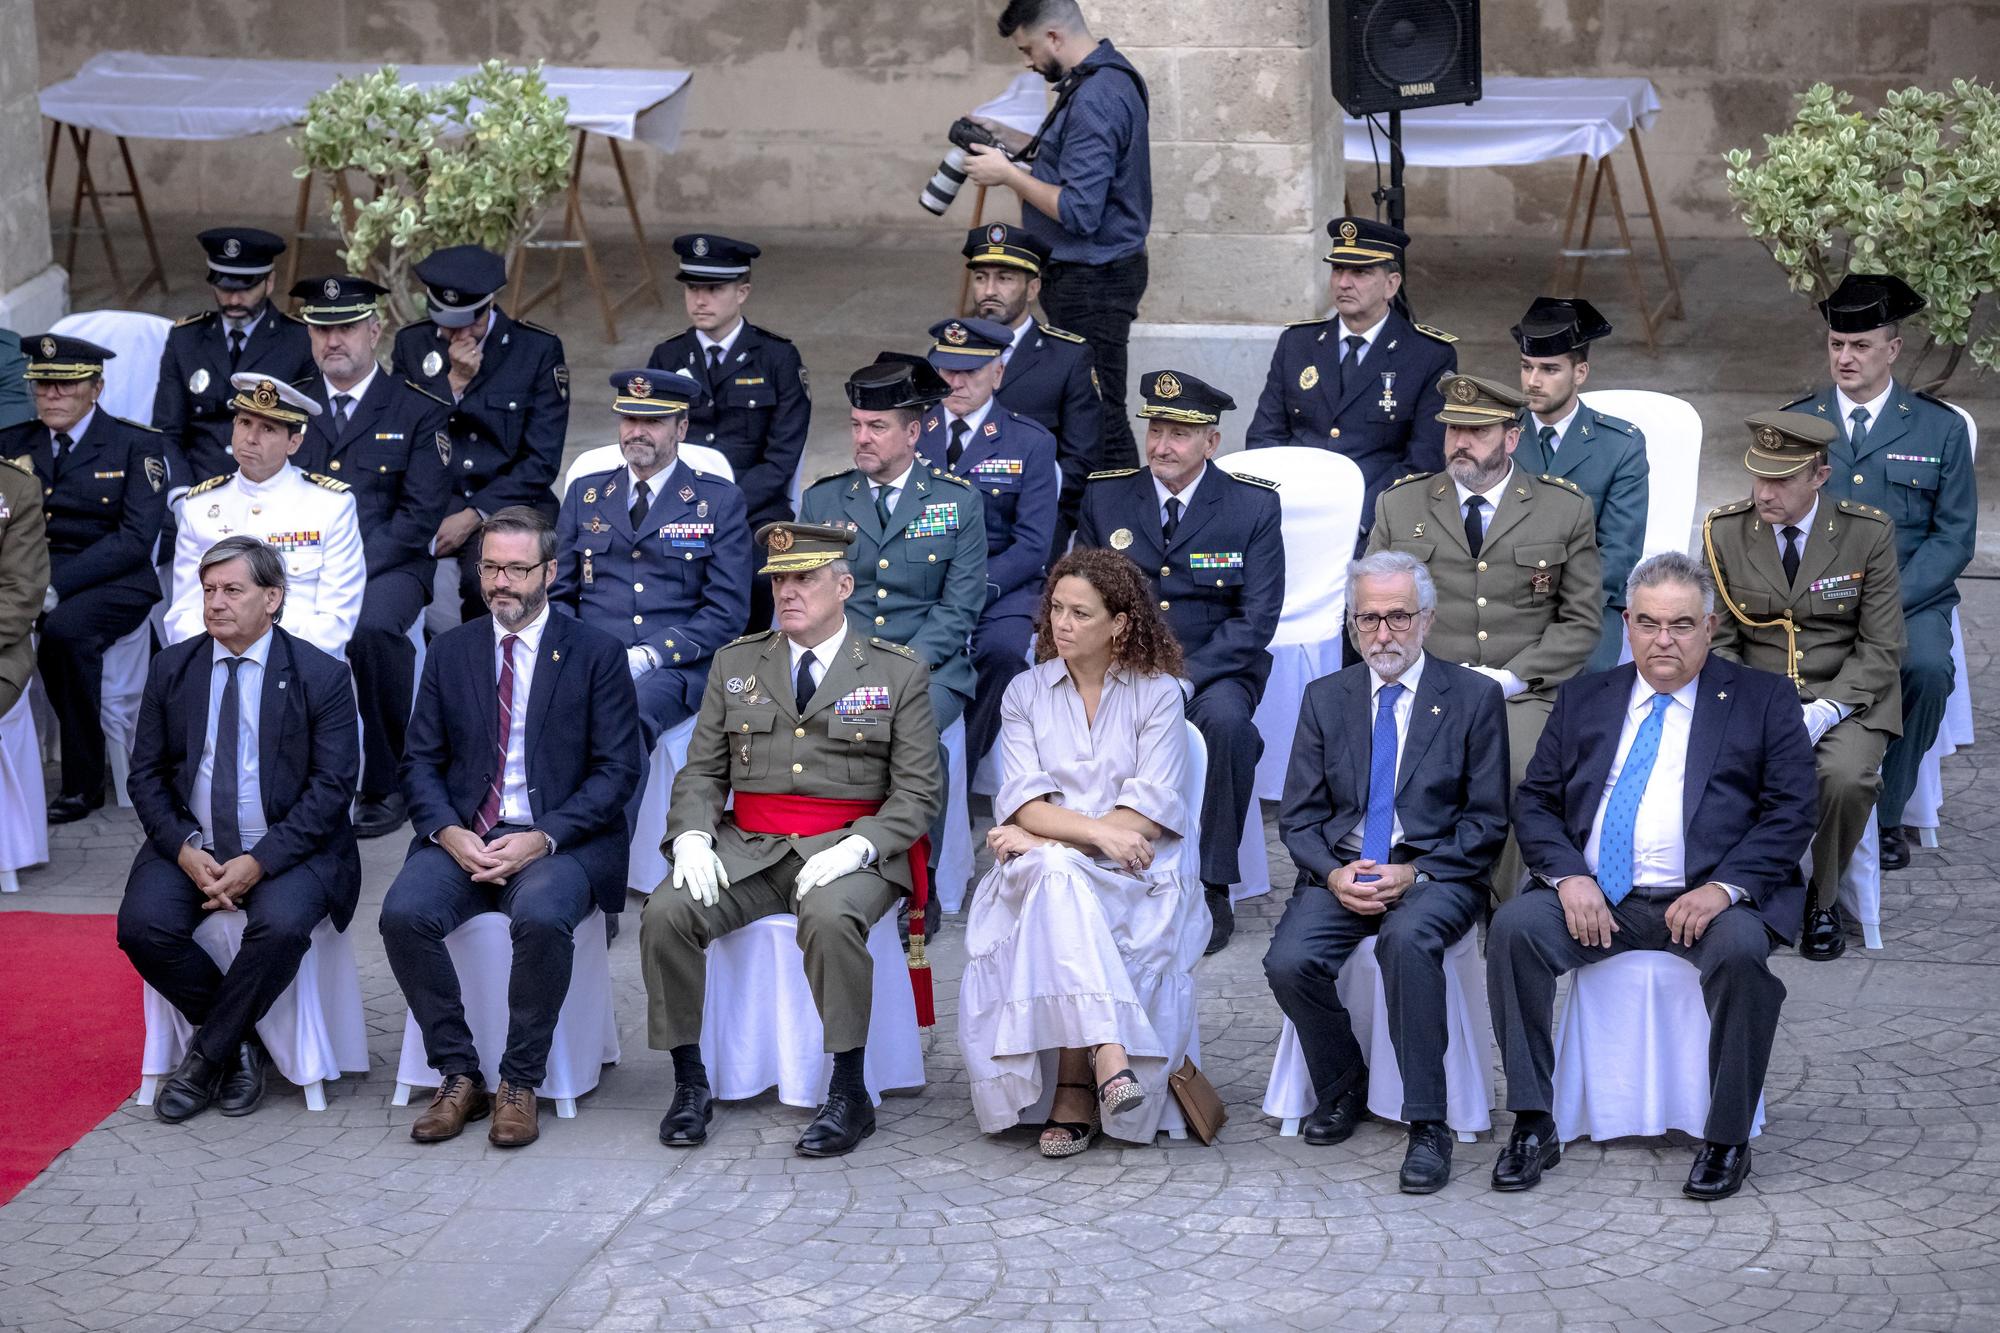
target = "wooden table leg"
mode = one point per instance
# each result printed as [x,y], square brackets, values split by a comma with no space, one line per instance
[1569,223]
[1631,255]
[1589,228]
[576,235]
[1673,307]
[652,280]
[300,210]
[86,187]
[49,167]
[158,272]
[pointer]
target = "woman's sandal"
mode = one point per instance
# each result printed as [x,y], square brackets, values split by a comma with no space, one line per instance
[1067,1138]
[1120,1092]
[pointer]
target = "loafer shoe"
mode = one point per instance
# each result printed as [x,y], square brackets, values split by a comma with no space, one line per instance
[1528,1153]
[190,1089]
[1719,1171]
[243,1086]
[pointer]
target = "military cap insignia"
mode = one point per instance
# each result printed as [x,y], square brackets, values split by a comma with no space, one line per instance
[1767,437]
[955,334]
[156,473]
[1121,539]
[1308,377]
[700,246]
[639,387]
[1166,386]
[231,248]
[198,381]
[1348,232]
[1463,390]
[780,541]
[48,347]
[265,395]
[443,442]
[997,233]
[433,363]
[330,288]
[450,296]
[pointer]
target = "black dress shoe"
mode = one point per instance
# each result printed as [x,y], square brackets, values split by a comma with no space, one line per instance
[1427,1161]
[1895,848]
[1222,915]
[190,1089]
[1528,1153]
[840,1125]
[376,817]
[243,1085]
[686,1122]
[1825,935]
[67,809]
[1334,1119]
[1719,1171]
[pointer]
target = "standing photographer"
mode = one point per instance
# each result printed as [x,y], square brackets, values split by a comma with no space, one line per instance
[1088,193]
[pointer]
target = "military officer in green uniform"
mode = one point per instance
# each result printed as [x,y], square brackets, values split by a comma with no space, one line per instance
[1809,590]
[1520,587]
[824,736]
[1909,455]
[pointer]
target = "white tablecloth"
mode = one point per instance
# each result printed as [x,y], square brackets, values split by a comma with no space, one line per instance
[204,97]
[1519,121]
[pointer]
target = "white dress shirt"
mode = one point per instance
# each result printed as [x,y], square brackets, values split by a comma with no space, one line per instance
[1405,705]
[1562,426]
[1874,405]
[354,394]
[514,805]
[1367,336]
[75,434]
[249,700]
[822,655]
[725,342]
[1021,331]
[1185,495]
[1492,495]
[972,422]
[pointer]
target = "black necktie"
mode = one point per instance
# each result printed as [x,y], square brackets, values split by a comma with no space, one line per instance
[1791,535]
[64,444]
[1548,438]
[235,345]
[639,506]
[884,505]
[956,449]
[714,366]
[343,404]
[1350,360]
[805,682]
[224,783]
[1173,523]
[1475,531]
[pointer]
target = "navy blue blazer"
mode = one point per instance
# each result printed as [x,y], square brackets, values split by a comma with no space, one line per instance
[198,421]
[582,743]
[308,761]
[103,503]
[1750,801]
[1051,379]
[756,412]
[395,456]
[1011,462]
[1451,786]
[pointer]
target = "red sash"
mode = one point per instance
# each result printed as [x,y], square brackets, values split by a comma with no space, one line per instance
[806,816]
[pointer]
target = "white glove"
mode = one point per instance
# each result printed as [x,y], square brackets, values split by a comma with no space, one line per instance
[1821,716]
[843,858]
[1509,683]
[638,661]
[698,869]
[49,600]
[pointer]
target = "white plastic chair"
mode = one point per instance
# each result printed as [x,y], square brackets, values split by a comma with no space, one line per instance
[315,1032]
[586,1035]
[24,831]
[647,867]
[1632,1051]
[760,1029]
[1955,733]
[606,456]
[1468,1055]
[1673,460]
[131,377]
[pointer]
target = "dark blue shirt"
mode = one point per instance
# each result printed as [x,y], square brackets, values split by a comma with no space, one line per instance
[1099,152]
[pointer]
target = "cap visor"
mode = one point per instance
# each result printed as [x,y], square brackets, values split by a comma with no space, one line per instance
[1358,256]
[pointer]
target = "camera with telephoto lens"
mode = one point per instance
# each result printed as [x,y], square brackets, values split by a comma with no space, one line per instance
[944,182]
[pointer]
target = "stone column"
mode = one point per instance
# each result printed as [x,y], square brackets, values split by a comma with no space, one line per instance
[34,293]
[1247,168]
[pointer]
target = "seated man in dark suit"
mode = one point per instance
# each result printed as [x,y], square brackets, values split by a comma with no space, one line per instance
[244,763]
[1633,760]
[522,752]
[1394,834]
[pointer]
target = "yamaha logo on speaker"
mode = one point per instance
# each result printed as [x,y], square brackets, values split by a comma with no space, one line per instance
[1416,89]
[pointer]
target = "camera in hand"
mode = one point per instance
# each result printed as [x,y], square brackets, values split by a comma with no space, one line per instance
[944,182]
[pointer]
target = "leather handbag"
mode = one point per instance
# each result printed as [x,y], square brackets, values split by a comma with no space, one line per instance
[1201,1106]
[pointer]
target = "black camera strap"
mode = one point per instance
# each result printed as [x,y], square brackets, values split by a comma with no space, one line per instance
[1065,89]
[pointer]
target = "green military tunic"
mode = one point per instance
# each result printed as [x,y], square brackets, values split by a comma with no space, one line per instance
[868,734]
[1838,630]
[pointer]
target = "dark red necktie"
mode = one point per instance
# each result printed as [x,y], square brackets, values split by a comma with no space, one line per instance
[489,809]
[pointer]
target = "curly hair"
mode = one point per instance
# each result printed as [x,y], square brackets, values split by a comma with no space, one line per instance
[1148,645]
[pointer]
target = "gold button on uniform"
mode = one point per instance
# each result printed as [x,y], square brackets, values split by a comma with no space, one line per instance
[1482,636]
[1165,605]
[1333,434]
[798,768]
[744,727]
[881,620]
[1482,566]
[1857,479]
[1166,570]
[799,731]
[640,587]
[638,620]
[336,465]
[881,564]
[881,592]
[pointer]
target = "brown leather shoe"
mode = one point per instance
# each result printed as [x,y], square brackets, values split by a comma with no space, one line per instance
[514,1111]
[458,1101]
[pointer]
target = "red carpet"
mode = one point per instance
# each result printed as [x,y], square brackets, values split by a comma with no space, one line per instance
[71,1034]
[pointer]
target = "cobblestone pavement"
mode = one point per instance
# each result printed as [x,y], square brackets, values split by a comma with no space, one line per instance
[1875,1202]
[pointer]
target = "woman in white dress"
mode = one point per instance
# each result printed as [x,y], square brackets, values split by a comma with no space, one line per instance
[1083,936]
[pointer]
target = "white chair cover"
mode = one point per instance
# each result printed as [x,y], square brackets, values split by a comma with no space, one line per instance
[315,1032]
[1468,1055]
[131,377]
[954,857]
[125,664]
[760,1030]
[647,867]
[1632,1050]
[586,1037]
[1924,812]
[24,831]
[1861,886]
[1673,460]
[607,456]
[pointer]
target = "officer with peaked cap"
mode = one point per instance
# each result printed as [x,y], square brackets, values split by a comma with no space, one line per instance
[753,405]
[1566,437]
[388,440]
[508,384]
[1209,544]
[655,554]
[1909,455]
[1362,382]
[1809,590]
[104,485]
[241,332]
[1011,461]
[1051,375]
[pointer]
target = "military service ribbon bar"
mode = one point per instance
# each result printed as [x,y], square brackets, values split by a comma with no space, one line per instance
[1215,560]
[935,521]
[997,467]
[688,534]
[292,541]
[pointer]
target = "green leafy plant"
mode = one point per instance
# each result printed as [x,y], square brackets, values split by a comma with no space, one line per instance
[471,162]
[1913,190]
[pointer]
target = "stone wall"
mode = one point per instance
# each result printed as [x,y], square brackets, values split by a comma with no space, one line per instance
[32,290]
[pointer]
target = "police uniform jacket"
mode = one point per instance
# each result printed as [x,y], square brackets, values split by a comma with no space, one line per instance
[1846,605]
[1011,462]
[507,431]
[24,576]
[755,410]
[1915,465]
[680,585]
[1605,458]
[1531,602]
[191,405]
[921,582]
[395,457]
[1051,379]
[868,734]
[1388,427]
[1221,581]
[103,502]
[312,522]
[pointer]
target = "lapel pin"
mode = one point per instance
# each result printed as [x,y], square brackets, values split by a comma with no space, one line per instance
[1419,532]
[555,655]
[281,684]
[686,494]
[1436,711]
[1722,694]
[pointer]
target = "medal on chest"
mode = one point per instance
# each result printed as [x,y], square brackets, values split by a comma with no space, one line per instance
[1387,402]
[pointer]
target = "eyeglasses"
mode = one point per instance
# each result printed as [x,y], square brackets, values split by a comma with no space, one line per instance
[1647,627]
[1398,621]
[514,573]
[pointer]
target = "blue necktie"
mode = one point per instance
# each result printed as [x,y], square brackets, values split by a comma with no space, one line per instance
[1381,818]
[224,783]
[1621,816]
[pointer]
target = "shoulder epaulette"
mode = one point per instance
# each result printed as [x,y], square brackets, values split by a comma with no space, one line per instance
[1405,480]
[1309,323]
[1110,473]
[1063,334]
[327,483]
[1865,511]
[1438,334]
[893,647]
[530,324]
[759,637]
[1798,402]
[23,463]
[1733,507]
[196,318]
[210,484]
[951,477]
[1933,398]
[1619,424]
[1564,482]
[1255,480]
[763,332]
[412,384]
[834,476]
[137,425]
